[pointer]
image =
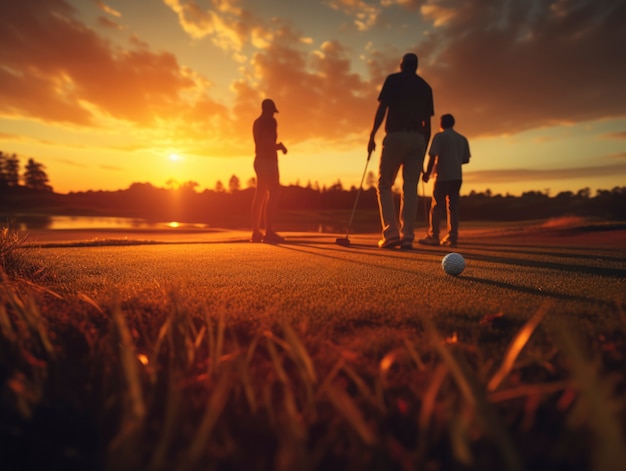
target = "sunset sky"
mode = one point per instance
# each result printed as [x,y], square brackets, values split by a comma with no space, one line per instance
[105,93]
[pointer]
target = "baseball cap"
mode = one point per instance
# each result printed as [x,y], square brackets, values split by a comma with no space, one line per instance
[269,105]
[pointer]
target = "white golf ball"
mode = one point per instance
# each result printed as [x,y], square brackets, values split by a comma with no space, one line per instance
[453,263]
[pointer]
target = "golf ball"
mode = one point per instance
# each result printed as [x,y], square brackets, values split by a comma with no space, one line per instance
[453,263]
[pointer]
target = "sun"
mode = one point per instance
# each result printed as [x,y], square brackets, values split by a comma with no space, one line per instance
[175,157]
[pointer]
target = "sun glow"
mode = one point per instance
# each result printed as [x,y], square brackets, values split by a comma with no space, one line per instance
[175,158]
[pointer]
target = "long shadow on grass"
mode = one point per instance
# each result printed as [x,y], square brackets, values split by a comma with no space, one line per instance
[565,252]
[573,268]
[537,292]
[532,262]
[598,271]
[499,284]
[317,250]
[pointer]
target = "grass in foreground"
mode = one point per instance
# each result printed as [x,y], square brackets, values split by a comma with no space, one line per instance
[86,386]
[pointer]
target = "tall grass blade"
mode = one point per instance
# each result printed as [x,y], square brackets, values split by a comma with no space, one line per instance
[213,411]
[346,406]
[429,399]
[516,346]
[38,324]
[289,399]
[6,326]
[476,399]
[87,299]
[245,375]
[300,355]
[332,374]
[134,405]
[362,386]
[414,355]
[609,452]
[168,429]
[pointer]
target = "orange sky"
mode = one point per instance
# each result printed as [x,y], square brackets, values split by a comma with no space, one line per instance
[104,93]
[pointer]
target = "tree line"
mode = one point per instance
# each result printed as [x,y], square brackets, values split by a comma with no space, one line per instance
[311,205]
[33,177]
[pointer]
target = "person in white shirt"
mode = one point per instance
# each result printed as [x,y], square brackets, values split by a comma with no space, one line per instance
[448,152]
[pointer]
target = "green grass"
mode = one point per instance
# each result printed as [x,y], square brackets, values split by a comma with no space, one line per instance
[170,383]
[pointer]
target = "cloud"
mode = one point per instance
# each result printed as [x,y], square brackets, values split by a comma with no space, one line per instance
[10,137]
[107,9]
[505,67]
[615,135]
[227,25]
[522,175]
[108,23]
[71,163]
[501,67]
[364,14]
[55,69]
[317,94]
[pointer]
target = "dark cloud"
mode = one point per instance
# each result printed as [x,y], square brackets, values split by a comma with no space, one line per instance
[505,67]
[109,23]
[615,135]
[500,67]
[51,63]
[320,95]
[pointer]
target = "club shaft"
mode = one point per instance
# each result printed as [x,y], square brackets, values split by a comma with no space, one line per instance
[358,193]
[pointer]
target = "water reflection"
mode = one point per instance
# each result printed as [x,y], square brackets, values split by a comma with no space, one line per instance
[26,222]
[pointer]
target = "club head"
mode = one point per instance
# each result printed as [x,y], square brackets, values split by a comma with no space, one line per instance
[343,241]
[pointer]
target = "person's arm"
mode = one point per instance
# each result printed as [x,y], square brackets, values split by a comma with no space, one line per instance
[429,168]
[432,156]
[466,157]
[427,130]
[378,120]
[280,146]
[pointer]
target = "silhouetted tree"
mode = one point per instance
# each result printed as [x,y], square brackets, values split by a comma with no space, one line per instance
[337,186]
[12,170]
[234,184]
[35,176]
[3,174]
[219,186]
[251,183]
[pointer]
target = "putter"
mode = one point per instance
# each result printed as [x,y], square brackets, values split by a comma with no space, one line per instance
[345,241]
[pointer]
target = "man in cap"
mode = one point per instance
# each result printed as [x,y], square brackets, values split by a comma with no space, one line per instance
[406,100]
[265,198]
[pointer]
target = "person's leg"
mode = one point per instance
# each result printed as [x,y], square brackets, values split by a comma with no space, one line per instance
[436,206]
[259,199]
[273,190]
[453,212]
[411,169]
[387,173]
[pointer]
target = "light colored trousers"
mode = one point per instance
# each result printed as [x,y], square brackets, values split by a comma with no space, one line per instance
[400,150]
[265,201]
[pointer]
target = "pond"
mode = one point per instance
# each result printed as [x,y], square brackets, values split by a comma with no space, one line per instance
[25,222]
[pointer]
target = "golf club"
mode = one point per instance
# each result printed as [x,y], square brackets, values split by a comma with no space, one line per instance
[345,241]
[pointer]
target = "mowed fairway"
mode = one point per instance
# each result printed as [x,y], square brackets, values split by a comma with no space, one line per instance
[311,278]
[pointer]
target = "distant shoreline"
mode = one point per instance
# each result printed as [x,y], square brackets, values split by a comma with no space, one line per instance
[551,233]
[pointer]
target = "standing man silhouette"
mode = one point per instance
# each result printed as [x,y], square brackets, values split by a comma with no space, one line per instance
[448,153]
[406,100]
[265,132]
